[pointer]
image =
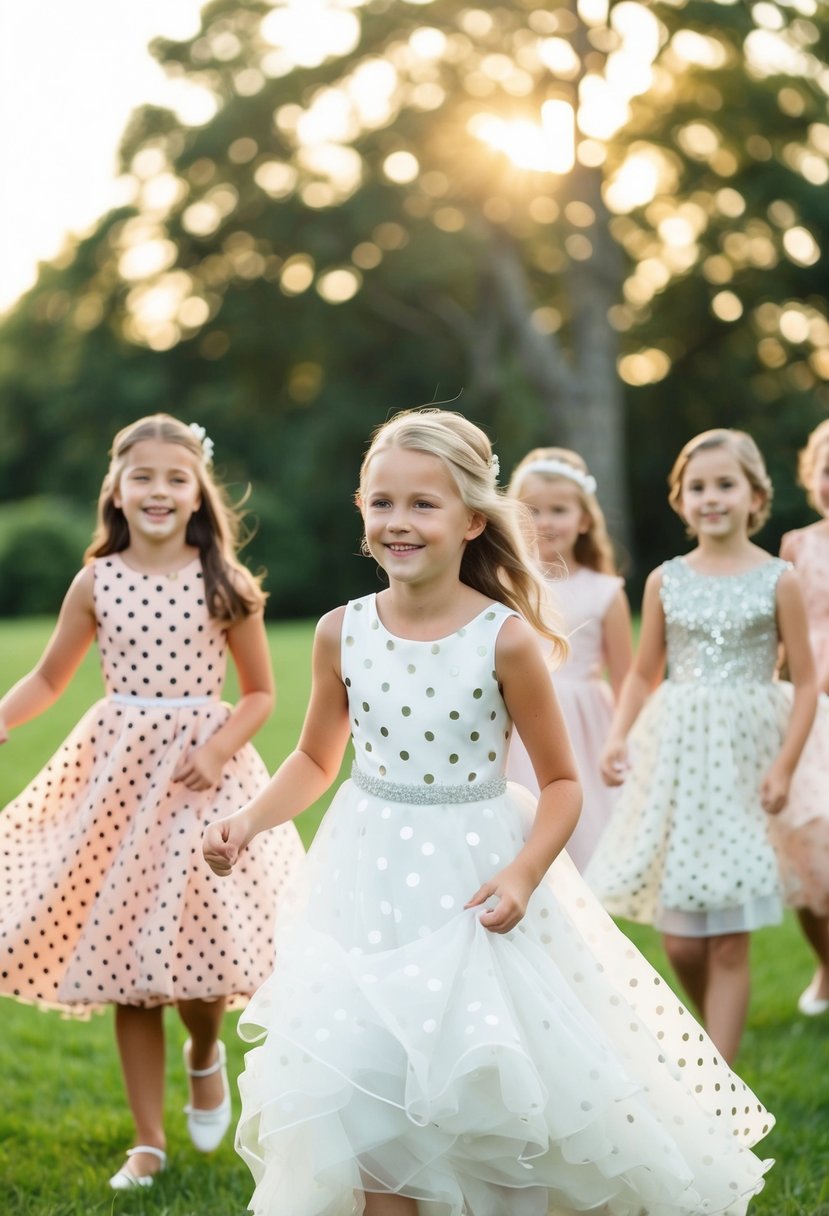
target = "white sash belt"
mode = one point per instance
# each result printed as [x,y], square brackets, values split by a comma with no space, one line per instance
[125,698]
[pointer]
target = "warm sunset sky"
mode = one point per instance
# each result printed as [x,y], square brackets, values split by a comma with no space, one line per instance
[71,71]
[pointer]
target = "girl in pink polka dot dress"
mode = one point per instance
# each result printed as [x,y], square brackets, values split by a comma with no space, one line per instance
[104,894]
[445,1032]
[801,832]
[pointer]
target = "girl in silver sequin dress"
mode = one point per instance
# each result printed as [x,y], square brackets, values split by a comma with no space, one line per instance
[713,750]
[444,1032]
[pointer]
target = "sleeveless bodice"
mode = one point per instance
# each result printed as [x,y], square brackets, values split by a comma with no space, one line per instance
[583,599]
[720,629]
[425,714]
[155,636]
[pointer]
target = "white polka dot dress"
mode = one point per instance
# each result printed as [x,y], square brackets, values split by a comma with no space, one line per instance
[687,848]
[402,1047]
[104,894]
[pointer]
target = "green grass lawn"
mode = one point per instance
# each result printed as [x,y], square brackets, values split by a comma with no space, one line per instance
[63,1120]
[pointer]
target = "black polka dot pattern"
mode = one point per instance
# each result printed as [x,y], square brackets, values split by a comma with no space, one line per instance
[104,894]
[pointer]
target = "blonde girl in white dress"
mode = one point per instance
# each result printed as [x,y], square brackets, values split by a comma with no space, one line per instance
[576,556]
[713,749]
[445,1033]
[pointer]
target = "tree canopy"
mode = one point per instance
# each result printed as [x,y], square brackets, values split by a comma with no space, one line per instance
[360,208]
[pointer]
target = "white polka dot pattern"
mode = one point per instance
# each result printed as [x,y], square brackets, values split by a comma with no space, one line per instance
[104,894]
[483,1074]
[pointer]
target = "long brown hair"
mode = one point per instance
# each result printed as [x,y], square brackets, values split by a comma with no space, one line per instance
[231,591]
[497,563]
[593,548]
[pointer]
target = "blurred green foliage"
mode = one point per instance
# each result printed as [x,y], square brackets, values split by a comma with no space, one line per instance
[42,541]
[515,292]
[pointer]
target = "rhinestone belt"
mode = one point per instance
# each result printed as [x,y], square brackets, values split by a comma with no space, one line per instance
[426,794]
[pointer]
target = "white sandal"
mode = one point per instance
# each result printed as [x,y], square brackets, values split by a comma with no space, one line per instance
[125,1179]
[809,1003]
[206,1128]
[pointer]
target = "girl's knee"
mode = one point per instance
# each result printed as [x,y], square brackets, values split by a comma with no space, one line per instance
[729,950]
[685,951]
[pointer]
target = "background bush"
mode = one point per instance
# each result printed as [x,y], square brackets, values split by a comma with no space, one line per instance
[42,541]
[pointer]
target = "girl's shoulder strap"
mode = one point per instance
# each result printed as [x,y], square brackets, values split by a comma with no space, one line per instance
[777,566]
[672,569]
[801,543]
[361,609]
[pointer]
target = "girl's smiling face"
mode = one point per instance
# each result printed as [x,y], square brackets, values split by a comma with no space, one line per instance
[158,489]
[558,516]
[416,522]
[717,497]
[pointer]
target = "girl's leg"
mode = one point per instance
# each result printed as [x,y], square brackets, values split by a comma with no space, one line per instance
[816,931]
[389,1205]
[689,958]
[140,1036]
[203,1020]
[728,990]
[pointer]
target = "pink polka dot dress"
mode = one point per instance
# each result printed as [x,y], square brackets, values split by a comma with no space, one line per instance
[104,894]
[403,1047]
[800,833]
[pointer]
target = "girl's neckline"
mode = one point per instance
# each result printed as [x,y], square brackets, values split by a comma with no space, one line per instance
[170,575]
[735,574]
[430,641]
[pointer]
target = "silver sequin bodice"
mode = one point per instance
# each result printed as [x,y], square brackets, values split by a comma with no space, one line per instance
[425,715]
[720,628]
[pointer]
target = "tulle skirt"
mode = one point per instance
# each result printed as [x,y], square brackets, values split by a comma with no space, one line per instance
[104,894]
[402,1047]
[687,848]
[800,833]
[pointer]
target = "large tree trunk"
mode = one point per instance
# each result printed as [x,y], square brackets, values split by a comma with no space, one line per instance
[580,393]
[597,425]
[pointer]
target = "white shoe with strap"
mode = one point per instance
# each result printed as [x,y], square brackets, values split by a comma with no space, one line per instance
[206,1128]
[126,1178]
[810,1003]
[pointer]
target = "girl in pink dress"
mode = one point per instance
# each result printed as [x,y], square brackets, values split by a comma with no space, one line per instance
[104,895]
[574,550]
[801,833]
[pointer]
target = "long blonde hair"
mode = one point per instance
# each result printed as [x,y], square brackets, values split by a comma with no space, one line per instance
[231,591]
[593,548]
[497,563]
[807,457]
[747,455]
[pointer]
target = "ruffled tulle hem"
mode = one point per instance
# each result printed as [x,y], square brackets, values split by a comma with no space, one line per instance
[462,1071]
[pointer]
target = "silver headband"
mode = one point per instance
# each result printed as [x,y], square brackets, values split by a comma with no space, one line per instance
[560,468]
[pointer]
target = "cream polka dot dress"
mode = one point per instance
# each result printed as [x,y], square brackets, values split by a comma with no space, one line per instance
[403,1047]
[687,848]
[104,894]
